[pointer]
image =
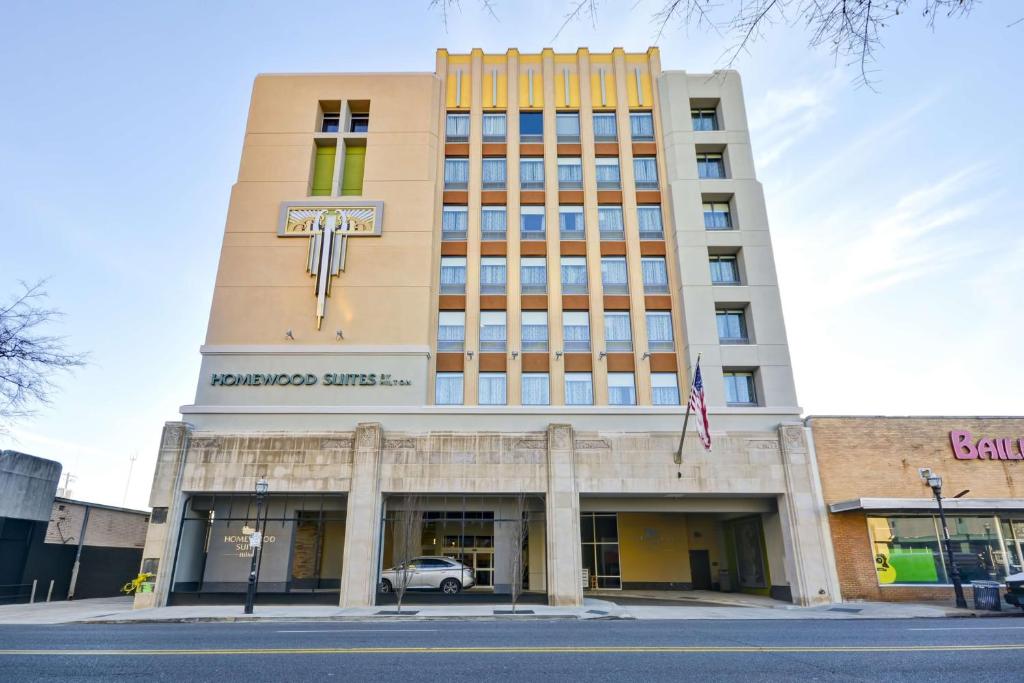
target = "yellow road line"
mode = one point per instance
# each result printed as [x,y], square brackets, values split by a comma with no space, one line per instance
[639,649]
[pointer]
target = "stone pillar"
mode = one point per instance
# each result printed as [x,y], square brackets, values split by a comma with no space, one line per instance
[810,566]
[563,516]
[359,572]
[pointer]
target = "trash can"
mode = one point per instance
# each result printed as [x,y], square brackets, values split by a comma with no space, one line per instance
[986,595]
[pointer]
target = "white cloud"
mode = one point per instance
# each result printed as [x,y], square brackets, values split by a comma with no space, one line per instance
[783,116]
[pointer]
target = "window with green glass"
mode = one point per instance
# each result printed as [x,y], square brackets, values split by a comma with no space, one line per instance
[352,178]
[323,171]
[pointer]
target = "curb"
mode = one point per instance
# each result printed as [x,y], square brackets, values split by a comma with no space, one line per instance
[352,618]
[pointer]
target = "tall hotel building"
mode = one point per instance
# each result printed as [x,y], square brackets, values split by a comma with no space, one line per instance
[439,291]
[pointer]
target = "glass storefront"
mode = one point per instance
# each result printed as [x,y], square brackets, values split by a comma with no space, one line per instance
[599,533]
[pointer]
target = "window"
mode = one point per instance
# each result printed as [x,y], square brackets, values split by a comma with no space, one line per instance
[618,336]
[659,331]
[655,274]
[453,274]
[907,550]
[710,166]
[494,174]
[451,330]
[717,216]
[732,326]
[739,388]
[604,127]
[323,170]
[574,275]
[576,331]
[454,222]
[456,173]
[704,119]
[664,389]
[570,173]
[579,389]
[609,222]
[600,548]
[456,128]
[536,389]
[641,126]
[531,222]
[492,222]
[492,331]
[494,127]
[649,217]
[613,275]
[531,173]
[621,389]
[492,389]
[645,170]
[533,275]
[567,126]
[570,222]
[448,389]
[608,173]
[724,270]
[492,275]
[355,163]
[531,126]
[535,331]
[359,123]
[331,122]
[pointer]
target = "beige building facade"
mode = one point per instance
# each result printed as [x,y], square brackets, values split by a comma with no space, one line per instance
[479,294]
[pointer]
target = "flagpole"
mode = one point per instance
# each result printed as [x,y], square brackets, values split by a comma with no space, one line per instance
[678,459]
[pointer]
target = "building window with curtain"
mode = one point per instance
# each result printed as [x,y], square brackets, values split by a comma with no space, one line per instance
[641,126]
[649,218]
[618,335]
[451,331]
[579,389]
[724,270]
[531,126]
[604,127]
[574,275]
[570,173]
[704,119]
[492,332]
[576,331]
[448,389]
[645,170]
[492,389]
[494,127]
[531,173]
[664,389]
[613,275]
[567,127]
[493,221]
[533,275]
[659,331]
[710,166]
[621,389]
[732,326]
[456,173]
[570,222]
[494,173]
[531,222]
[456,128]
[454,223]
[655,274]
[739,388]
[453,274]
[717,216]
[331,122]
[609,222]
[608,173]
[535,331]
[536,389]
[492,275]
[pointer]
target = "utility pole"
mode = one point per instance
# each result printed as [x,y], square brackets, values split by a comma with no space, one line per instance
[934,481]
[78,554]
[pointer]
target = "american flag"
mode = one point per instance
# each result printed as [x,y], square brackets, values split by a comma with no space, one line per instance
[699,406]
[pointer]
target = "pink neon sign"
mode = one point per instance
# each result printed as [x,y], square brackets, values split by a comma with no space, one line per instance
[966,448]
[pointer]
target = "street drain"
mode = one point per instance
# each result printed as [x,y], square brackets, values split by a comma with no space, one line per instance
[396,613]
[850,610]
[518,611]
[597,611]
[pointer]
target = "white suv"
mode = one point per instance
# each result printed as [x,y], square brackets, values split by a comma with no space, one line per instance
[430,573]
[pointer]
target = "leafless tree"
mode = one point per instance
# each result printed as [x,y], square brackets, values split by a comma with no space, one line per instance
[408,543]
[29,356]
[517,528]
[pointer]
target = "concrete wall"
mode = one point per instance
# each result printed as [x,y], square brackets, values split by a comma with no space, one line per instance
[27,486]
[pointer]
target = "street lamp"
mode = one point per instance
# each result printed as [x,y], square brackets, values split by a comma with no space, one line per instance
[255,543]
[935,482]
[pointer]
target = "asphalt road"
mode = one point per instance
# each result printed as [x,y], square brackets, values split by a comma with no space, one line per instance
[864,650]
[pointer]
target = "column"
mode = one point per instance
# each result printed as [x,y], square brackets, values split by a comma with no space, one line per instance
[359,572]
[563,517]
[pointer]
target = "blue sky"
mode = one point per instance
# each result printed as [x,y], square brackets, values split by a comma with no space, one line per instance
[895,215]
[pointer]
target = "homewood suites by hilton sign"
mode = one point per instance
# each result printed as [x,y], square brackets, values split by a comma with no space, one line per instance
[306,379]
[965,447]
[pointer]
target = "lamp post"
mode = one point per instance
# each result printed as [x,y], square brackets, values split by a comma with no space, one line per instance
[935,482]
[255,543]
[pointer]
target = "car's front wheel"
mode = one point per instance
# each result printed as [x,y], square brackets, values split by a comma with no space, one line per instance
[385,586]
[450,586]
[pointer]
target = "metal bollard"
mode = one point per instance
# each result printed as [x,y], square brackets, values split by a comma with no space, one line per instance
[49,593]
[32,598]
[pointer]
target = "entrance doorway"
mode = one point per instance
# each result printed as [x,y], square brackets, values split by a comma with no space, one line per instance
[700,570]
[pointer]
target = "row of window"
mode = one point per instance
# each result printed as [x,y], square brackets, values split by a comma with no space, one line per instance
[531,173]
[493,222]
[533,274]
[357,123]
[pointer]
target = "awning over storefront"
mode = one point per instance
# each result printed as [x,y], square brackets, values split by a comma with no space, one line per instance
[927,504]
